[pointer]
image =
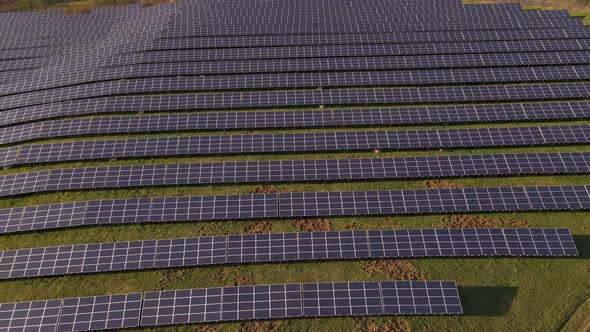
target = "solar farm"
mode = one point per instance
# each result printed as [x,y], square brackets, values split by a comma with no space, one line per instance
[309,165]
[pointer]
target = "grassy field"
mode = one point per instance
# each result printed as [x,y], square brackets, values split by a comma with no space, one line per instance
[500,294]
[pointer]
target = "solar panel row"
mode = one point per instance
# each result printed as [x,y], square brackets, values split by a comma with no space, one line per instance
[178,52]
[367,38]
[300,80]
[280,247]
[294,142]
[53,79]
[295,119]
[294,170]
[409,95]
[72,314]
[362,28]
[232,303]
[287,205]
[334,13]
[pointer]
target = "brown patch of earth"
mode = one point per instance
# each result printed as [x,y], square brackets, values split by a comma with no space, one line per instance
[396,269]
[373,325]
[260,326]
[241,279]
[313,224]
[264,189]
[469,221]
[442,184]
[169,276]
[353,226]
[221,275]
[259,227]
[207,328]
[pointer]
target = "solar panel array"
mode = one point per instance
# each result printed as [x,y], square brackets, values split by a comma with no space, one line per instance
[301,80]
[268,65]
[294,119]
[295,142]
[233,303]
[294,204]
[281,247]
[294,170]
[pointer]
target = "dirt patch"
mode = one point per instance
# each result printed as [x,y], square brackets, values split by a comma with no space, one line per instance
[469,221]
[259,227]
[442,184]
[260,326]
[221,275]
[170,276]
[241,278]
[353,226]
[375,325]
[396,269]
[264,189]
[313,224]
[207,328]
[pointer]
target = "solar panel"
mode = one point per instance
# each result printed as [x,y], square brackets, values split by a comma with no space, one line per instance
[299,300]
[100,312]
[61,78]
[301,80]
[368,38]
[281,247]
[233,303]
[30,316]
[294,170]
[271,119]
[317,51]
[295,119]
[295,142]
[296,204]
[73,314]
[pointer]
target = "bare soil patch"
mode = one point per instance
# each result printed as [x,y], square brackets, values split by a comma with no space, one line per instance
[396,269]
[264,226]
[313,225]
[442,184]
[372,324]
[265,189]
[260,326]
[469,221]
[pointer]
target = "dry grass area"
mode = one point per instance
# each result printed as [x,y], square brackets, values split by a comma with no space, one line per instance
[70,6]
[395,269]
[264,189]
[575,7]
[262,226]
[376,325]
[313,225]
[471,221]
[442,184]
